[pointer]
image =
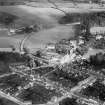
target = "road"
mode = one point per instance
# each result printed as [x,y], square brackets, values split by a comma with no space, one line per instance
[1,76]
[2,94]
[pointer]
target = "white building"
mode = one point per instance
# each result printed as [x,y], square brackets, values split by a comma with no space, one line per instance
[50,46]
[97,30]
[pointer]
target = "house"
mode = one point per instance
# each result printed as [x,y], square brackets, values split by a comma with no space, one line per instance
[50,46]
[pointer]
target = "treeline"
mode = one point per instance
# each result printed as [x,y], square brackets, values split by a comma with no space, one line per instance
[9,57]
[68,101]
[86,19]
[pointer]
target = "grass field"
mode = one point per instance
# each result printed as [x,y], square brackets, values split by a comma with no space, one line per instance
[46,18]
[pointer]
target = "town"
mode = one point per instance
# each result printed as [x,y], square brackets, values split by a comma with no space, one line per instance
[53,69]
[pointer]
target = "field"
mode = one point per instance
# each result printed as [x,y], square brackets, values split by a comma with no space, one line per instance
[6,102]
[46,18]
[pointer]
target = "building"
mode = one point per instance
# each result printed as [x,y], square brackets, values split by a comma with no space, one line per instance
[50,46]
[97,30]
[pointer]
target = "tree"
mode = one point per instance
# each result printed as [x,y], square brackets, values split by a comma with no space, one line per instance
[68,101]
[1,102]
[12,47]
[96,1]
[38,53]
